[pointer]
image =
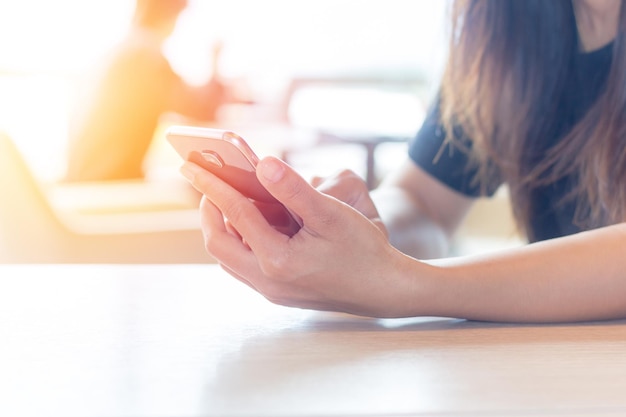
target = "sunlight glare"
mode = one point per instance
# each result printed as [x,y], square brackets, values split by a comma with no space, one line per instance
[48,45]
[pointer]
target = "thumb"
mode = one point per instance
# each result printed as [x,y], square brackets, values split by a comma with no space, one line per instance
[293,191]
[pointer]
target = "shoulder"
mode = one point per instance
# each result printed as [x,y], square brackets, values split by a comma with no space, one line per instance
[446,159]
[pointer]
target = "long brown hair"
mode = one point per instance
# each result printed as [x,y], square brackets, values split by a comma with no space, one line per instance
[507,65]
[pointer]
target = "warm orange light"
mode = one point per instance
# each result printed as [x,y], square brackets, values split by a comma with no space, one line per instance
[48,44]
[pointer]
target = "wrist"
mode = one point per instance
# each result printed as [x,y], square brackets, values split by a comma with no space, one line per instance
[418,288]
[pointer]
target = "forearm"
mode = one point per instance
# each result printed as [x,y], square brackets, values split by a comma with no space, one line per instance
[581,277]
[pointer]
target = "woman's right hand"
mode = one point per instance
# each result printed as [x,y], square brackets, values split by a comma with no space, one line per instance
[340,260]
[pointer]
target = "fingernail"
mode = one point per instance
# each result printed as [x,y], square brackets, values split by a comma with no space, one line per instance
[187,172]
[272,170]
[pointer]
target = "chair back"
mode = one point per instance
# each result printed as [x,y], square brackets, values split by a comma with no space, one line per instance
[32,232]
[27,221]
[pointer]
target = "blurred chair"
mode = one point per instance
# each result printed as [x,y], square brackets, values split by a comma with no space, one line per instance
[32,231]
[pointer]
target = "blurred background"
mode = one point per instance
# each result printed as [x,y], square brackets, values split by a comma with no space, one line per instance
[325,84]
[47,46]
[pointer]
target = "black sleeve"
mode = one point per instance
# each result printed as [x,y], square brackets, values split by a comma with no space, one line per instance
[447,162]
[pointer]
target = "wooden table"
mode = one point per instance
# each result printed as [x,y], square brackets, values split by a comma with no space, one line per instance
[183,340]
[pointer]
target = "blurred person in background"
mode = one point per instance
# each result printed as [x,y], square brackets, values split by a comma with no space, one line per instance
[534,97]
[112,129]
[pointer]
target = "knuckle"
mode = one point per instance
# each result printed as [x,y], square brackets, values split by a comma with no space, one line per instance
[277,267]
[211,244]
[203,183]
[327,221]
[234,210]
[274,267]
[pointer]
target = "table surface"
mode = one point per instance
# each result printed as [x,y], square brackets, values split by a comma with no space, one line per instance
[188,340]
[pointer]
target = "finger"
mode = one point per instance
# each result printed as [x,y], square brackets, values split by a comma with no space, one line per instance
[316,181]
[288,187]
[205,224]
[346,186]
[231,229]
[241,213]
[232,204]
[232,252]
[211,218]
[220,242]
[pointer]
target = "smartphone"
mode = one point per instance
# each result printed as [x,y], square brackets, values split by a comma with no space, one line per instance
[229,157]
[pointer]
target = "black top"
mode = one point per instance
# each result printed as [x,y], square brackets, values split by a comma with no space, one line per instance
[549,217]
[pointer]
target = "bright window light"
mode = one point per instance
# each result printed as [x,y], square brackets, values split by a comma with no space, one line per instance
[48,44]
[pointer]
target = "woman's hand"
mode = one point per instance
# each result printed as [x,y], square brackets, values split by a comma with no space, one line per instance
[352,190]
[340,260]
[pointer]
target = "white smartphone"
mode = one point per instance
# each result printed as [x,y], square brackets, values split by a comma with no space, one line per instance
[229,157]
